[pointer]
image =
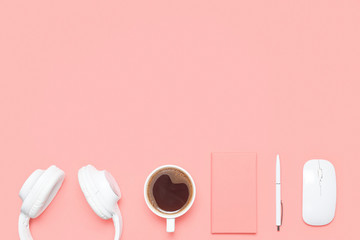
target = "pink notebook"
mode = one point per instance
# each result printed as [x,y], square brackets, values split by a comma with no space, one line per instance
[233,193]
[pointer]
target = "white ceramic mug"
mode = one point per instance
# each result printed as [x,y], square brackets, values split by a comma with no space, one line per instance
[170,216]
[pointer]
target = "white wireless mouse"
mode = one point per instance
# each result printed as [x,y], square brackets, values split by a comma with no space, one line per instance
[319,192]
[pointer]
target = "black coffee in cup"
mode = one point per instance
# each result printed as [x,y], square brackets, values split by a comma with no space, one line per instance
[169,190]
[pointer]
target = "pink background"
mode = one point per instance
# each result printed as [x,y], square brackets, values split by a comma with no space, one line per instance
[129,85]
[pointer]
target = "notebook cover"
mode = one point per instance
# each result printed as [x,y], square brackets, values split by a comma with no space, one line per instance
[233,193]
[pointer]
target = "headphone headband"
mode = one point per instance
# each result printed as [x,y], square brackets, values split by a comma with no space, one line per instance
[24,229]
[118,224]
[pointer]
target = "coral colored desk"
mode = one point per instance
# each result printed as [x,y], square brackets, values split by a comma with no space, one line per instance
[130,85]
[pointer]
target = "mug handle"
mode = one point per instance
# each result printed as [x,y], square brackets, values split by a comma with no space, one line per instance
[170,225]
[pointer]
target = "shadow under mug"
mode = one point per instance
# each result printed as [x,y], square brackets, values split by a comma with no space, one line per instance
[170,217]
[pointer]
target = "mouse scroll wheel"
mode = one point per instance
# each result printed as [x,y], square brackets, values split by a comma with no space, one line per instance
[320,173]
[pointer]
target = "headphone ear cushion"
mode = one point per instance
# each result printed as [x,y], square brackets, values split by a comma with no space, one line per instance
[90,194]
[29,183]
[39,194]
[95,208]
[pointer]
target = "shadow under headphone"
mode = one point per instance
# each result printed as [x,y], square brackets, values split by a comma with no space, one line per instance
[99,187]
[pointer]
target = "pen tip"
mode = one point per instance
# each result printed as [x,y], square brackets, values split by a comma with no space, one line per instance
[278,228]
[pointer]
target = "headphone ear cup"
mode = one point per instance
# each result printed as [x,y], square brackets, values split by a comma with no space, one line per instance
[40,189]
[89,192]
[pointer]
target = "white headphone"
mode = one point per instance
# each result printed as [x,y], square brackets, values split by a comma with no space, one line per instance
[99,187]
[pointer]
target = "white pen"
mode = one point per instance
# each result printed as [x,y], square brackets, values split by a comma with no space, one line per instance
[278,195]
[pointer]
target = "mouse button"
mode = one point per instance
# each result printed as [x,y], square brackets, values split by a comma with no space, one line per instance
[311,163]
[309,176]
[328,169]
